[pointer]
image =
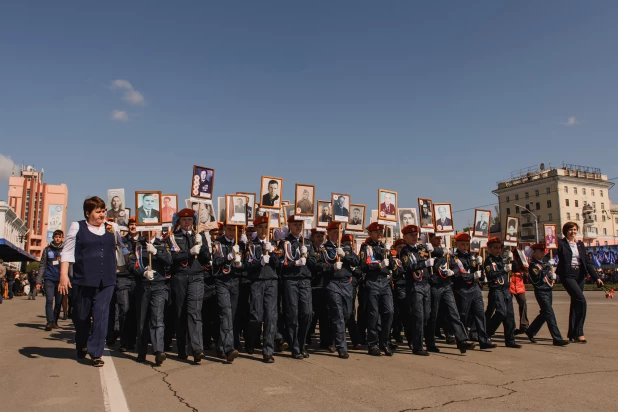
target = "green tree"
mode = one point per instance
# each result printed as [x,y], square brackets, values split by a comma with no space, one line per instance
[32,266]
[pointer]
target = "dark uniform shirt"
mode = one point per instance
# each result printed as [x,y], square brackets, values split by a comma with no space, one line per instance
[221,265]
[540,274]
[183,263]
[290,248]
[413,258]
[328,253]
[497,276]
[464,265]
[371,254]
[253,261]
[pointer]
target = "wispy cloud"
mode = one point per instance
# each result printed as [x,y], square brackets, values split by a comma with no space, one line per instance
[572,121]
[120,115]
[130,94]
[6,167]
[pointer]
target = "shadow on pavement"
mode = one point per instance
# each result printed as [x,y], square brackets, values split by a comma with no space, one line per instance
[34,352]
[38,326]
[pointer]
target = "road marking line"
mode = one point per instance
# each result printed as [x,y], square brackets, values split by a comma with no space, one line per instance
[113,395]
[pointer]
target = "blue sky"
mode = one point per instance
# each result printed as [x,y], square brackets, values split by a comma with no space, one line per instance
[433,99]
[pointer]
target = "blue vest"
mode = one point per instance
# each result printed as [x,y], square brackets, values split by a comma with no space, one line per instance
[52,272]
[95,257]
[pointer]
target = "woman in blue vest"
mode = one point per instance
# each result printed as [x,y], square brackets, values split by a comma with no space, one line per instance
[91,246]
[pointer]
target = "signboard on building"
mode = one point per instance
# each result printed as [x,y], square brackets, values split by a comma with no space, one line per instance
[54,220]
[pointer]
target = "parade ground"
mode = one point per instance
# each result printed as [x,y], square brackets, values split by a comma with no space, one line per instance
[39,372]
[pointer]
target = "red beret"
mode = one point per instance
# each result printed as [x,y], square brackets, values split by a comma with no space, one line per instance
[292,219]
[132,219]
[393,252]
[399,242]
[186,213]
[410,229]
[538,246]
[109,219]
[347,238]
[462,237]
[316,230]
[374,226]
[260,219]
[333,225]
[493,240]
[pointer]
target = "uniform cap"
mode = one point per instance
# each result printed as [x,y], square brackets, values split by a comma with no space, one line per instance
[186,212]
[493,240]
[132,219]
[260,219]
[399,242]
[333,225]
[538,246]
[292,219]
[410,229]
[462,237]
[346,238]
[374,226]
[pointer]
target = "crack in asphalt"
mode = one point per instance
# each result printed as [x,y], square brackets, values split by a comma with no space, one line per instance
[466,361]
[568,374]
[174,392]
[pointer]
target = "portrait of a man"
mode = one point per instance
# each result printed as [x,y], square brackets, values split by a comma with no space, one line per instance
[475,245]
[271,191]
[388,205]
[481,223]
[444,222]
[250,203]
[115,207]
[324,213]
[550,236]
[148,204]
[237,209]
[407,216]
[425,206]
[357,218]
[203,181]
[170,206]
[341,212]
[304,199]
[511,228]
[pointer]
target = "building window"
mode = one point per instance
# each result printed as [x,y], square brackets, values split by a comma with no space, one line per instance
[508,199]
[550,217]
[616,220]
[584,191]
[595,218]
[601,193]
[538,219]
[566,189]
[594,205]
[605,232]
[577,216]
[536,193]
[585,202]
[549,204]
[576,203]
[568,216]
[526,194]
[516,209]
[508,210]
[603,218]
[575,190]
[567,202]
[591,192]
[538,205]
[516,197]
[547,190]
[602,206]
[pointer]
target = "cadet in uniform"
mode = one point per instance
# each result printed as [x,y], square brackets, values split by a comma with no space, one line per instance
[543,278]
[298,261]
[442,297]
[241,318]
[336,267]
[319,300]
[262,264]
[500,298]
[226,268]
[190,253]
[355,337]
[416,263]
[210,309]
[151,294]
[374,257]
[466,269]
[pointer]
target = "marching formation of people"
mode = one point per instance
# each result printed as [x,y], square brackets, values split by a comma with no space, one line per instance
[213,290]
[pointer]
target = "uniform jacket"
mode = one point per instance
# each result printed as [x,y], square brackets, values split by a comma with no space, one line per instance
[221,265]
[438,278]
[328,253]
[183,263]
[413,258]
[497,276]
[290,249]
[160,261]
[253,261]
[371,254]
[565,254]
[540,274]
[464,265]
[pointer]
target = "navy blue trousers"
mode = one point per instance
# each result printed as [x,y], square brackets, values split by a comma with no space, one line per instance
[90,300]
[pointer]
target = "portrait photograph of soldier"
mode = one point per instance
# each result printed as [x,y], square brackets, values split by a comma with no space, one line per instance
[170,206]
[325,215]
[288,210]
[387,205]
[250,204]
[116,207]
[425,207]
[512,228]
[357,218]
[444,217]
[550,236]
[407,216]
[202,183]
[236,207]
[148,207]
[475,245]
[340,207]
[481,223]
[270,191]
[305,195]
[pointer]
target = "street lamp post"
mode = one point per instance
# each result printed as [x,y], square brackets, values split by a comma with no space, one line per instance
[536,228]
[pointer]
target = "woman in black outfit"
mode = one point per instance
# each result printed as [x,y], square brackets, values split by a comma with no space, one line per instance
[573,266]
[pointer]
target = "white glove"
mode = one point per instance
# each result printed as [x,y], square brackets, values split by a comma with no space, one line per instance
[151,249]
[552,262]
[195,250]
[340,252]
[429,262]
[385,263]
[236,249]
[236,258]
[237,263]
[265,259]
[301,262]
[149,274]
[508,267]
[553,276]
[244,239]
[388,246]
[338,265]
[509,255]
[449,273]
[477,274]
[269,247]
[303,250]
[429,247]
[479,260]
[230,256]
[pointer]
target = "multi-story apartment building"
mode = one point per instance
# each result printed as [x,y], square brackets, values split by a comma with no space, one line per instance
[556,195]
[42,207]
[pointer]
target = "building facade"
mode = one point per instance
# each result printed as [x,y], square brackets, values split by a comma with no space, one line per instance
[12,237]
[557,195]
[42,207]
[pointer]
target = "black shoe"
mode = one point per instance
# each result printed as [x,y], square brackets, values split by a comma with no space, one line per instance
[97,362]
[474,337]
[358,346]
[305,354]
[332,349]
[297,356]
[513,345]
[420,352]
[198,355]
[392,345]
[220,354]
[560,342]
[122,349]
[159,358]
[280,345]
[466,345]
[374,351]
[48,327]
[183,357]
[55,326]
[433,349]
[488,346]
[231,355]
[343,354]
[530,338]
[520,331]
[269,359]
[140,358]
[387,350]
[249,350]
[450,340]
[81,354]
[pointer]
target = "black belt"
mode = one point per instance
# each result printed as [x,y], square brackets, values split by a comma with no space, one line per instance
[574,267]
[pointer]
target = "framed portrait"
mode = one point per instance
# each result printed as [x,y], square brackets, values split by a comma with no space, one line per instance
[475,245]
[305,199]
[169,206]
[128,212]
[288,210]
[148,205]
[387,205]
[275,219]
[374,215]
[511,231]
[203,182]
[250,205]
[425,207]
[357,218]
[549,233]
[116,207]
[206,217]
[270,191]
[407,216]
[325,213]
[221,209]
[236,210]
[443,217]
[340,207]
[285,202]
[482,219]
